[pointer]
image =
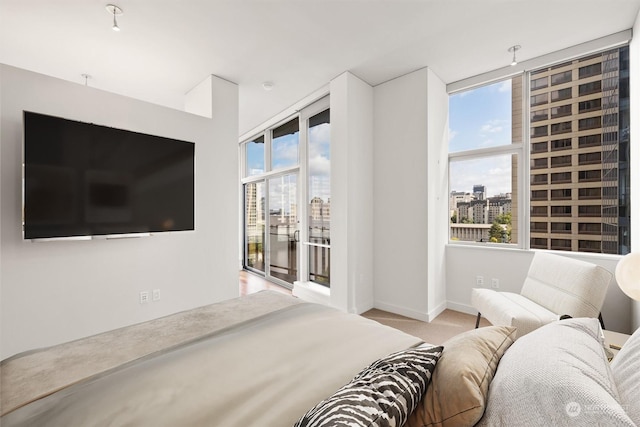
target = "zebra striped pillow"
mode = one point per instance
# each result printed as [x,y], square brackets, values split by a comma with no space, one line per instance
[383,394]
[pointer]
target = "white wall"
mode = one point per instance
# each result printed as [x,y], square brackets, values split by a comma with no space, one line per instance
[351,194]
[410,126]
[400,204]
[58,291]
[438,191]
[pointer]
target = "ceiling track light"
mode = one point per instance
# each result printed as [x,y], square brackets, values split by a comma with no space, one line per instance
[115,11]
[514,49]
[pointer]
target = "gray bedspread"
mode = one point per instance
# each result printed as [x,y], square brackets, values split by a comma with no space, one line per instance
[266,371]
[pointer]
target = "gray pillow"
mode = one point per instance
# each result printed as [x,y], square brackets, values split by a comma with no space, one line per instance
[383,394]
[556,375]
[626,373]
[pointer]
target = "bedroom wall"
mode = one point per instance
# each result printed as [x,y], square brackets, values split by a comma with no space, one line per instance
[58,291]
[352,245]
[438,185]
[409,127]
[400,205]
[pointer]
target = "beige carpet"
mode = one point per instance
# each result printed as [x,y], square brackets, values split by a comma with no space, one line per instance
[448,324]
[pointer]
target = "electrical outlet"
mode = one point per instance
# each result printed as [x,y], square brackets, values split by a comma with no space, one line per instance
[144,297]
[479,281]
[156,295]
[495,283]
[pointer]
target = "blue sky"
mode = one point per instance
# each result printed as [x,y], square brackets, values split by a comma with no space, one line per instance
[285,153]
[480,118]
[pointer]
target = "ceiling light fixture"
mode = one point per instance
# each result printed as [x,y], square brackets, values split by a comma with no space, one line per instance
[115,11]
[267,86]
[514,49]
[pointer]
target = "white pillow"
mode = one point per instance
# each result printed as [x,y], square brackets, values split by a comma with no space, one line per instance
[626,373]
[556,375]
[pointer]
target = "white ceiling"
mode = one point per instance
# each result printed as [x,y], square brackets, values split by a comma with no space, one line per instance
[166,47]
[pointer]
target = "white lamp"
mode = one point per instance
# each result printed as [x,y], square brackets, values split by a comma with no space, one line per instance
[628,275]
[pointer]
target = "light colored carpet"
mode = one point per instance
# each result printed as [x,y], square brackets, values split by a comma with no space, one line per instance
[448,324]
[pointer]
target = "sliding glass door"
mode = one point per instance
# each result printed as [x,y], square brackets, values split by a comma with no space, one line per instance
[287,199]
[254,220]
[274,254]
[283,228]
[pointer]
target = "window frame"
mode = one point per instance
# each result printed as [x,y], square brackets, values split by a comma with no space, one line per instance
[529,69]
[301,169]
[515,148]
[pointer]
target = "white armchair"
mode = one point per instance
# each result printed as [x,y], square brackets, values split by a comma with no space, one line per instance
[555,285]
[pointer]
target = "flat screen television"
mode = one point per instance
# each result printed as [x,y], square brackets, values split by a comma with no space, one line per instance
[84,180]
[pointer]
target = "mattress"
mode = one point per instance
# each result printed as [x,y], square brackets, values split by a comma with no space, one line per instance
[264,363]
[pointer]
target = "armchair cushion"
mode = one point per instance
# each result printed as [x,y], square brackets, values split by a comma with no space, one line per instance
[507,308]
[565,285]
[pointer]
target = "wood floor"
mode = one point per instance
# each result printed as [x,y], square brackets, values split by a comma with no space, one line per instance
[251,283]
[448,324]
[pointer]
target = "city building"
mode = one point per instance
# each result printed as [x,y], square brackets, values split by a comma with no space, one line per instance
[579,151]
[480,191]
[498,206]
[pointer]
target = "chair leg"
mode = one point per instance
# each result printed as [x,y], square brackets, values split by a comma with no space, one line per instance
[478,320]
[601,321]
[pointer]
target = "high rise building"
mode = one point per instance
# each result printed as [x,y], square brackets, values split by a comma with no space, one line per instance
[579,154]
[480,191]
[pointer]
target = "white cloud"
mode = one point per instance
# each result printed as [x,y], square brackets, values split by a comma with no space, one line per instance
[492,172]
[320,134]
[493,126]
[285,153]
[505,86]
[452,134]
[319,165]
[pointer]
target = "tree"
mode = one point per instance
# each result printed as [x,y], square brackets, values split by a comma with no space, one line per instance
[454,218]
[504,218]
[497,232]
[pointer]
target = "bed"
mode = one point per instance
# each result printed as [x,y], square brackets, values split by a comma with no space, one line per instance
[269,359]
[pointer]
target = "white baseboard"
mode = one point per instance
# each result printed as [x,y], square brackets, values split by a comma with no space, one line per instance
[362,307]
[402,311]
[463,308]
[425,317]
[436,311]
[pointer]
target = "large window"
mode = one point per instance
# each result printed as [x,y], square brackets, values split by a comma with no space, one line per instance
[319,207]
[287,238]
[255,156]
[284,145]
[485,149]
[578,165]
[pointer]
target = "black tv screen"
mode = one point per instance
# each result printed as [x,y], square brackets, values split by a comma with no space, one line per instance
[82,179]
